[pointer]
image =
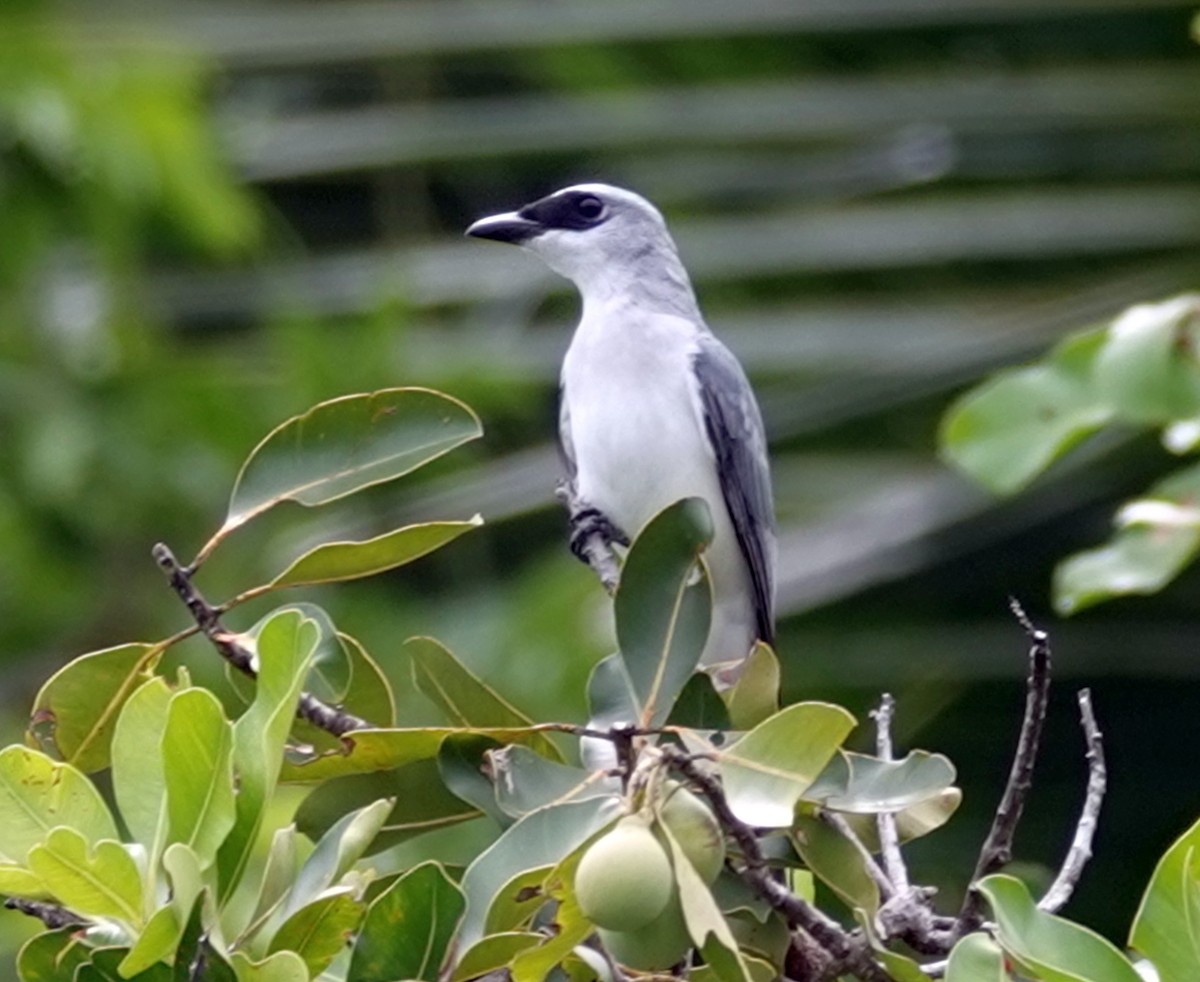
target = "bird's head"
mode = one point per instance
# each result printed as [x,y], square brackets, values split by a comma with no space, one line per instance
[585,231]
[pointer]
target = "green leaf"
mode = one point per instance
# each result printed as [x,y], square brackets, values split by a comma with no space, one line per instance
[331,672]
[408,928]
[493,952]
[464,698]
[463,768]
[1050,947]
[139,782]
[319,931]
[570,927]
[105,966]
[706,924]
[283,966]
[277,877]
[541,838]
[699,706]
[1166,928]
[334,562]
[876,785]
[17,881]
[197,760]
[911,823]
[52,956]
[1158,537]
[81,701]
[164,931]
[770,768]
[755,695]
[38,794]
[339,849]
[835,861]
[347,444]
[101,882]
[285,650]
[197,945]
[1147,369]
[610,694]
[899,967]
[1008,430]
[662,608]
[517,901]
[422,803]
[381,750]
[526,781]
[977,958]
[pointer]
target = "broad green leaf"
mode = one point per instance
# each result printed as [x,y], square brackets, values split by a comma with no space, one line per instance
[899,967]
[80,703]
[493,952]
[706,924]
[408,929]
[760,970]
[876,785]
[347,444]
[52,956]
[331,672]
[102,881]
[320,930]
[570,927]
[977,958]
[755,695]
[277,877]
[835,861]
[610,694]
[1166,928]
[526,781]
[538,839]
[1148,551]
[1008,430]
[17,881]
[163,933]
[1147,369]
[699,706]
[38,794]
[283,966]
[139,782]
[197,945]
[105,966]
[285,649]
[463,696]
[197,760]
[770,768]
[336,561]
[382,750]
[911,823]
[422,803]
[518,900]
[464,769]
[663,608]
[1050,947]
[339,849]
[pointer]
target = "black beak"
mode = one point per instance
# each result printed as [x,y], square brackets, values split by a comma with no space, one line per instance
[509,227]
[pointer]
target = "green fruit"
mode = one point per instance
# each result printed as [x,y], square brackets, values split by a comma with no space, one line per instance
[656,946]
[694,827]
[624,879]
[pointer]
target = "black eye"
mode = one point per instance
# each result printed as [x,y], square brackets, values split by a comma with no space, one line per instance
[589,207]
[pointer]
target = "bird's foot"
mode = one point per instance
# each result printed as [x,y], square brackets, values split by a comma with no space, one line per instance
[588,524]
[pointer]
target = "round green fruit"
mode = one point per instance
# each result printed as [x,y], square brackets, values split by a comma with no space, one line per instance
[624,880]
[657,946]
[694,827]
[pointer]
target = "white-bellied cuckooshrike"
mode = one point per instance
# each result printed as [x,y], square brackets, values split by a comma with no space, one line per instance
[655,408]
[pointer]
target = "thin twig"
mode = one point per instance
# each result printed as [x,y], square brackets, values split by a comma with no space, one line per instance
[52,915]
[839,824]
[1081,846]
[997,847]
[848,952]
[590,540]
[329,718]
[889,837]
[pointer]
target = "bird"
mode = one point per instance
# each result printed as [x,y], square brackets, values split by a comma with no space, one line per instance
[652,406]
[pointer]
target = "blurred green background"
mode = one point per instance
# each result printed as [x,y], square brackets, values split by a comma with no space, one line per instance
[213,215]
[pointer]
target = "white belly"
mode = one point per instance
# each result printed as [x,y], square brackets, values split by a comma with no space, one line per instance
[638,440]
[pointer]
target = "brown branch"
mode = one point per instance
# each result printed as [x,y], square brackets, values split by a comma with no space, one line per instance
[320,714]
[997,847]
[591,536]
[848,952]
[1081,846]
[53,916]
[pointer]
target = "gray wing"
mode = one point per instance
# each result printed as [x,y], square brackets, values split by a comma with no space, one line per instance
[735,430]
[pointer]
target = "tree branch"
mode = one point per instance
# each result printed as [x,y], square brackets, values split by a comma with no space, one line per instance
[889,838]
[997,847]
[53,916]
[329,718]
[1081,846]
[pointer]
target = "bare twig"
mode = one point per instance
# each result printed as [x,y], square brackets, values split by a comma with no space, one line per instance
[848,952]
[889,838]
[1081,846]
[592,536]
[52,915]
[329,718]
[997,847]
[877,875]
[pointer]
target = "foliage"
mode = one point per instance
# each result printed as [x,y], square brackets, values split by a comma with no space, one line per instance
[195,868]
[1140,371]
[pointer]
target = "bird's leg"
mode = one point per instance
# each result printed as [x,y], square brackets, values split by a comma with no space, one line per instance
[593,535]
